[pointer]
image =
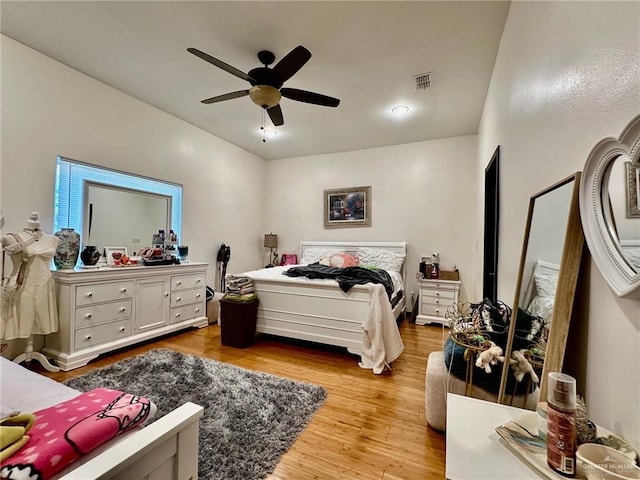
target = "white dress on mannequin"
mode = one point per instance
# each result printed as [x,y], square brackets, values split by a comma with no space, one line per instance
[35,311]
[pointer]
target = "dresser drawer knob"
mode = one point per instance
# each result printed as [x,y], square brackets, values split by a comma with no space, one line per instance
[89,294]
[88,315]
[178,315]
[197,310]
[198,295]
[198,280]
[122,309]
[178,283]
[123,290]
[166,294]
[88,337]
[122,329]
[178,299]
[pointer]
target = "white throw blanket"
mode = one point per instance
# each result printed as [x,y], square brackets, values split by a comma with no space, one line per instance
[381,341]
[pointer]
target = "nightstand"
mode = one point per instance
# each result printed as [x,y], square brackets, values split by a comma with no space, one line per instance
[435,297]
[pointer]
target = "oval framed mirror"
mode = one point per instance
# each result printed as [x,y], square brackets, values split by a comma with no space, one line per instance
[609,196]
[547,280]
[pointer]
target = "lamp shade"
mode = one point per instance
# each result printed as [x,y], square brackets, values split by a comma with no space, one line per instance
[270,240]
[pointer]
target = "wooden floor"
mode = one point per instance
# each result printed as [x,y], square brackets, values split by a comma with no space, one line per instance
[370,426]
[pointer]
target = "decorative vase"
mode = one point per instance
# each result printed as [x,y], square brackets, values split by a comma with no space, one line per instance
[90,255]
[66,255]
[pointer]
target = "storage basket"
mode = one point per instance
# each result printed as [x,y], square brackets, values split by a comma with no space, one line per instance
[238,322]
[449,275]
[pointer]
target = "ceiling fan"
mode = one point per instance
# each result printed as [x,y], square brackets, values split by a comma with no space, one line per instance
[266,83]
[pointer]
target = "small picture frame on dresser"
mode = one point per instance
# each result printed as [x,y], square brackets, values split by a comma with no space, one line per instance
[114,255]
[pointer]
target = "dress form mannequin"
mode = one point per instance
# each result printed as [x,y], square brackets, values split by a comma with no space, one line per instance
[35,311]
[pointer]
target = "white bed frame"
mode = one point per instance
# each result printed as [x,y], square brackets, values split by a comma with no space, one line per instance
[320,313]
[166,449]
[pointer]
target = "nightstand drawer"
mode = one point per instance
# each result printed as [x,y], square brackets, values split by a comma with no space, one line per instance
[103,313]
[92,336]
[103,292]
[443,295]
[187,297]
[183,282]
[434,310]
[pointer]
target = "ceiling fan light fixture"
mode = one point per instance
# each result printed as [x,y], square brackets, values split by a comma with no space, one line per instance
[264,96]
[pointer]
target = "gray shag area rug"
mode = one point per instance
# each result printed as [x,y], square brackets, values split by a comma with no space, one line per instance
[250,418]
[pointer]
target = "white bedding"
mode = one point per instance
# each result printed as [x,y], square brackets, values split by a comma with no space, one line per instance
[35,391]
[277,274]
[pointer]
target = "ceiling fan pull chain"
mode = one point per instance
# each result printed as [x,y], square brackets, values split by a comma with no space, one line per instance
[264,135]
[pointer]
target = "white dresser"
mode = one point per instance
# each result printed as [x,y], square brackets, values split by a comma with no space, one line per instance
[435,296]
[109,308]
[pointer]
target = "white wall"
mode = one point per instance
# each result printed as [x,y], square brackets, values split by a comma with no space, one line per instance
[422,193]
[49,109]
[568,74]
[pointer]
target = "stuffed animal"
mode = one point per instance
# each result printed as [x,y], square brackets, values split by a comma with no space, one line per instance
[521,366]
[490,356]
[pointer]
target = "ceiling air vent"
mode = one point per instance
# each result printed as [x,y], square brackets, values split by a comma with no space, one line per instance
[422,81]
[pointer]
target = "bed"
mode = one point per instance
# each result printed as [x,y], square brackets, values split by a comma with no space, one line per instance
[165,449]
[318,310]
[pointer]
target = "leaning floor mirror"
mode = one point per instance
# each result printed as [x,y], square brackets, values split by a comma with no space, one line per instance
[547,280]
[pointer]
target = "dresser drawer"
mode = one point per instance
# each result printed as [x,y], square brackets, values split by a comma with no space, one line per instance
[182,282]
[186,297]
[102,313]
[103,292]
[89,337]
[187,312]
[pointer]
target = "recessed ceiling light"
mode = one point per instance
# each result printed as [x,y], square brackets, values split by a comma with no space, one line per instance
[400,110]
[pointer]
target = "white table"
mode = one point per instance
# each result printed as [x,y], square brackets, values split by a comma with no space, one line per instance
[474,451]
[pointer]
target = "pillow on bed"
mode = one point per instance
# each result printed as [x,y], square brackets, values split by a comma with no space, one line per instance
[545,284]
[384,259]
[315,254]
[343,260]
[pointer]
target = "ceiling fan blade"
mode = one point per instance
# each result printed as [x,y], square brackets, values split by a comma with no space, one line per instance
[309,97]
[291,63]
[220,64]
[226,96]
[275,114]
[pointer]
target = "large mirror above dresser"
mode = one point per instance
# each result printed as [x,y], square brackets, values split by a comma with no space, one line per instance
[101,309]
[110,208]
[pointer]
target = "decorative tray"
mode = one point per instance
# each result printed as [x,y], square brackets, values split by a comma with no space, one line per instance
[520,436]
[155,263]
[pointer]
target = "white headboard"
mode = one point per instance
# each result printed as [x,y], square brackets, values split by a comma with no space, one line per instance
[350,247]
[539,267]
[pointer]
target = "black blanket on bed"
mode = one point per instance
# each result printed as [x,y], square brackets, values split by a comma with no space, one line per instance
[346,277]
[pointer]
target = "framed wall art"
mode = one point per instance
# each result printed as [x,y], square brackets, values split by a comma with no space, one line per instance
[633,190]
[347,207]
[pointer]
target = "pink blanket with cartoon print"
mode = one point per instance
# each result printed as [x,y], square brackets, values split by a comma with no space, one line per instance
[64,432]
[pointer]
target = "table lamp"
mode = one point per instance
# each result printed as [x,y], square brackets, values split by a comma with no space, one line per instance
[271,242]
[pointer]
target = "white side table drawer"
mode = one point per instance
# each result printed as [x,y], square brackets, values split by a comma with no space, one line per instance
[103,292]
[89,337]
[103,313]
[182,282]
[187,297]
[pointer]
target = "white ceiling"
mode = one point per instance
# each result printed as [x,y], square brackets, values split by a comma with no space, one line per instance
[364,53]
